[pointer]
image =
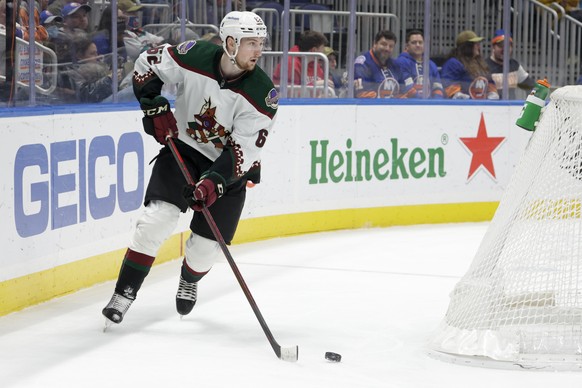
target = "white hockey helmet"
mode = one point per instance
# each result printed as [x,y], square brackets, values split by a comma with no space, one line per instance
[241,24]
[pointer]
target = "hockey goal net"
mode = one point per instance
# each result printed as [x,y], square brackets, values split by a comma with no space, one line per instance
[520,302]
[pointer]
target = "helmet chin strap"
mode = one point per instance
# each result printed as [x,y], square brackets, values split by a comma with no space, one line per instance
[233,56]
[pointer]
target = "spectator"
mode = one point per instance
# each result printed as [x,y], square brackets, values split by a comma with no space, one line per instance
[51,23]
[335,74]
[411,62]
[309,42]
[517,76]
[76,23]
[89,79]
[76,16]
[571,7]
[102,37]
[376,74]
[56,6]
[135,38]
[465,74]
[40,33]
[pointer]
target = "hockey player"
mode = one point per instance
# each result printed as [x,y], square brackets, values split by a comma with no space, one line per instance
[411,62]
[225,107]
[376,75]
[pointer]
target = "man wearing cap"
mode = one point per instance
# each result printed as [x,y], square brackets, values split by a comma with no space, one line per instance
[76,16]
[517,76]
[75,23]
[50,22]
[465,74]
[334,73]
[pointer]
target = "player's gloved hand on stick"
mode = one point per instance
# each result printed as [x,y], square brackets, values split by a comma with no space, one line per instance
[205,192]
[158,118]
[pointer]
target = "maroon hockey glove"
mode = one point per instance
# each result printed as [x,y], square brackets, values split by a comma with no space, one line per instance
[158,118]
[205,192]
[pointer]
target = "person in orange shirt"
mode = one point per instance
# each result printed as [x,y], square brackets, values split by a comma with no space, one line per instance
[311,42]
[40,33]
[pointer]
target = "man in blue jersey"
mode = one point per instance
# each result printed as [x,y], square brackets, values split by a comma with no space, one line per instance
[411,62]
[376,74]
[225,108]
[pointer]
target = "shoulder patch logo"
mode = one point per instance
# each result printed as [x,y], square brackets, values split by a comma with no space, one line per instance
[184,47]
[360,60]
[272,99]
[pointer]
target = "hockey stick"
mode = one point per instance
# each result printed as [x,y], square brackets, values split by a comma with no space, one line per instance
[285,354]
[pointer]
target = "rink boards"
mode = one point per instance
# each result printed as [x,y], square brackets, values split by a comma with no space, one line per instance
[74,180]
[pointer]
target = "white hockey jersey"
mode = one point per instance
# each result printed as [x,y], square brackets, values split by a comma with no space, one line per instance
[226,121]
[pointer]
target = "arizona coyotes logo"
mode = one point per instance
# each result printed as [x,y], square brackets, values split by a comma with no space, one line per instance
[205,128]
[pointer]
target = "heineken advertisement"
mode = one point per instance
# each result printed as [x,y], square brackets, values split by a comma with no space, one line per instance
[392,162]
[330,157]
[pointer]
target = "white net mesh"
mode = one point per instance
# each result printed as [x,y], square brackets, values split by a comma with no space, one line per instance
[521,299]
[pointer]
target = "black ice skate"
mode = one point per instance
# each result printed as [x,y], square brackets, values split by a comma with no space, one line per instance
[118,306]
[186,297]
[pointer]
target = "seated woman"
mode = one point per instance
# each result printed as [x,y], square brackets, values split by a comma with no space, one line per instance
[88,79]
[465,75]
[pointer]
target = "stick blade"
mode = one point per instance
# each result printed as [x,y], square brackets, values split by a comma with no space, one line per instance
[290,354]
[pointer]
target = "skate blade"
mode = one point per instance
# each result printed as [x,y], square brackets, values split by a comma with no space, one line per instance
[108,324]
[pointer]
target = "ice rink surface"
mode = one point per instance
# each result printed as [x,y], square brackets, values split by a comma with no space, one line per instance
[373,295]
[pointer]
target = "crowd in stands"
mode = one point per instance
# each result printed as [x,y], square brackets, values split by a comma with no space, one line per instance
[84,51]
[85,60]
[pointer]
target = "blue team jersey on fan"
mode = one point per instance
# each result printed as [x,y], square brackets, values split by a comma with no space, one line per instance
[413,71]
[373,80]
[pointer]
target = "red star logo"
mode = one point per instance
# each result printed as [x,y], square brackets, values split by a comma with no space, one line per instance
[482,147]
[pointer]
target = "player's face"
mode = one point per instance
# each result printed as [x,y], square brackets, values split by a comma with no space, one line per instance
[382,49]
[249,52]
[415,45]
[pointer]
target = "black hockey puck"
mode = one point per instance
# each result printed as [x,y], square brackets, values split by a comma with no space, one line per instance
[331,356]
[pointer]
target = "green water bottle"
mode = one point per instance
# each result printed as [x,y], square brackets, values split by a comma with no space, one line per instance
[532,109]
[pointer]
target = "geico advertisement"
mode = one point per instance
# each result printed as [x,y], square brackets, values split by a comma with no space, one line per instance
[73,184]
[72,188]
[343,157]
